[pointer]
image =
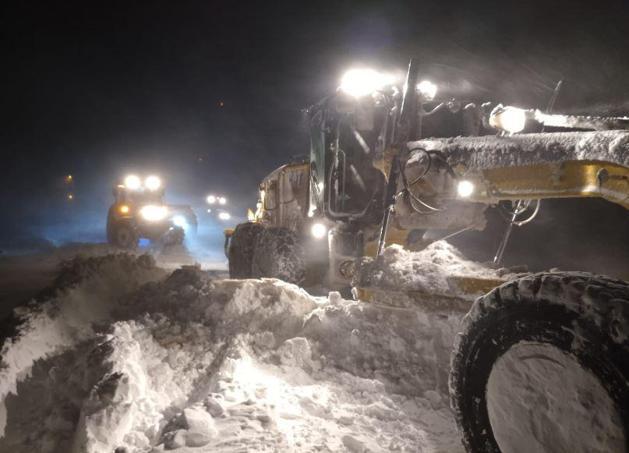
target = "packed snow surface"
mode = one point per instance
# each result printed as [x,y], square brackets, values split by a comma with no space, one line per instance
[125,357]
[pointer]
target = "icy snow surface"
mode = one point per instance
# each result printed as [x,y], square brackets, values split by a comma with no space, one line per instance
[123,357]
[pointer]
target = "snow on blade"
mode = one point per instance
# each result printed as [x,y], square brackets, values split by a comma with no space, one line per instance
[527,149]
[427,270]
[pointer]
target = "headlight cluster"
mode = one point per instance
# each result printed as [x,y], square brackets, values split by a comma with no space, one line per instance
[133,182]
[216,199]
[154,213]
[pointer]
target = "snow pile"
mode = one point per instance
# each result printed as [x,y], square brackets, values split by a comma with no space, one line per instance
[429,270]
[125,361]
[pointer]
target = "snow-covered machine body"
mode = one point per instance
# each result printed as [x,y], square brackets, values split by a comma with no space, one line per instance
[372,179]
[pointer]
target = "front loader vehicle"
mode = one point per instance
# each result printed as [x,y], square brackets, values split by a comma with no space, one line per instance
[139,211]
[382,170]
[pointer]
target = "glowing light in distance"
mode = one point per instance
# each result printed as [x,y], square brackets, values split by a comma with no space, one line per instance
[124,209]
[509,119]
[211,199]
[224,215]
[154,213]
[465,188]
[362,82]
[152,183]
[427,90]
[318,230]
[222,200]
[132,182]
[70,197]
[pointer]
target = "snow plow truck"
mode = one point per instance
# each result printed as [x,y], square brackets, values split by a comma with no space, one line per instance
[373,179]
[140,212]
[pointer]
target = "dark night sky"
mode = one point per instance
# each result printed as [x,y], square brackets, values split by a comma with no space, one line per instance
[96,89]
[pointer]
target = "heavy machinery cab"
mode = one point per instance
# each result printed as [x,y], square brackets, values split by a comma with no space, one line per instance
[347,137]
[283,198]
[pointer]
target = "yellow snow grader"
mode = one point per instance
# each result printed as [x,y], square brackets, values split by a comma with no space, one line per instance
[374,178]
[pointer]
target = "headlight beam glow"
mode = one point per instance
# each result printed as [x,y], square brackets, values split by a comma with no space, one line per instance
[427,90]
[318,230]
[465,188]
[362,82]
[132,182]
[508,119]
[152,183]
[154,213]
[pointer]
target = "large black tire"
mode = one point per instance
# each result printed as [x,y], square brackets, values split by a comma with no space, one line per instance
[241,248]
[122,235]
[279,254]
[585,317]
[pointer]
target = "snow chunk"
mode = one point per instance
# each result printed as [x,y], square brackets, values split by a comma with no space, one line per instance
[427,270]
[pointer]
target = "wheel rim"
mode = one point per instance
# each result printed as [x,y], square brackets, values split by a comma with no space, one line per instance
[541,399]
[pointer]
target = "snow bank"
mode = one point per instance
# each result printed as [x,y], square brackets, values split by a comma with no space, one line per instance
[126,360]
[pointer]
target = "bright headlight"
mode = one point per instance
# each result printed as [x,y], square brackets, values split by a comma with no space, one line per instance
[222,200]
[224,215]
[211,199]
[152,183]
[362,82]
[318,230]
[180,221]
[132,182]
[154,213]
[427,90]
[465,188]
[509,119]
